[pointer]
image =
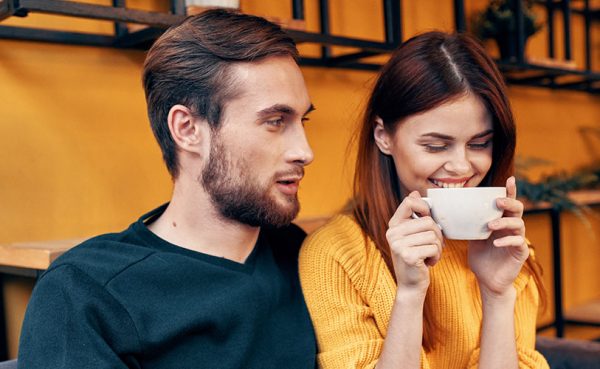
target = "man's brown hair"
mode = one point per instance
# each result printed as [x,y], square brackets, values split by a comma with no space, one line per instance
[190,65]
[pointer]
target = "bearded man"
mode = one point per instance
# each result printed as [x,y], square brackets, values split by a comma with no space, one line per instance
[208,280]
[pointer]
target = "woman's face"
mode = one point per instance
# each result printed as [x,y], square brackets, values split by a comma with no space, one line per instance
[448,146]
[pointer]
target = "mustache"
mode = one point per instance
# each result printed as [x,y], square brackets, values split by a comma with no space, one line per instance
[297,172]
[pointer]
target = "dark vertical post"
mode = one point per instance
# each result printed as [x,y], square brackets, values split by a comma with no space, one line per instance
[588,42]
[324,18]
[3,335]
[120,28]
[178,7]
[559,319]
[392,10]
[566,10]
[520,30]
[298,9]
[550,14]
[459,16]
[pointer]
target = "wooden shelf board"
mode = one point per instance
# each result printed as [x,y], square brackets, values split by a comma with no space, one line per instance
[35,255]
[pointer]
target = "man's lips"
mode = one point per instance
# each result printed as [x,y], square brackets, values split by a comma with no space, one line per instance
[288,186]
[288,182]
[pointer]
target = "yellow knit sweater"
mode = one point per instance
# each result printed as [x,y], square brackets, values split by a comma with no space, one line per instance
[350,291]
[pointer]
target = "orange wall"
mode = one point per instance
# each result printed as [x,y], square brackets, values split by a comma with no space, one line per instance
[79,158]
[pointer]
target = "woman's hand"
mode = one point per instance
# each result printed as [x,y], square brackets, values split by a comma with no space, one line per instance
[415,244]
[497,261]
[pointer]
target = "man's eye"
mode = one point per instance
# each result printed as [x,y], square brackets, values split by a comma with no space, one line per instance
[274,122]
[435,148]
[480,145]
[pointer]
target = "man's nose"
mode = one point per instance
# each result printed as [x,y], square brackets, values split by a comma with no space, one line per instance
[300,151]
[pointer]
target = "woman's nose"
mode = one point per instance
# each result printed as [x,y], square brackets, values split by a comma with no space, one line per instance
[458,162]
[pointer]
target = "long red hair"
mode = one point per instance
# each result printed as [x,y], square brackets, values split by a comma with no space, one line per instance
[423,73]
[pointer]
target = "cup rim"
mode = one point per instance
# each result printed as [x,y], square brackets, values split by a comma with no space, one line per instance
[466,188]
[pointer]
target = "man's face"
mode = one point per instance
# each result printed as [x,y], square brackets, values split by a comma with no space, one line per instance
[258,154]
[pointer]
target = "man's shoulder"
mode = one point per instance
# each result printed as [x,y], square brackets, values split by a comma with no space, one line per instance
[102,257]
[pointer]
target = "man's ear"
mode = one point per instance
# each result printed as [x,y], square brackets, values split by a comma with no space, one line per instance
[382,137]
[187,131]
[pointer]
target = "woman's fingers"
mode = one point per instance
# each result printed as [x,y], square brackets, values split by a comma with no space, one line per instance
[408,245]
[419,225]
[508,241]
[411,204]
[508,223]
[511,187]
[423,254]
[511,207]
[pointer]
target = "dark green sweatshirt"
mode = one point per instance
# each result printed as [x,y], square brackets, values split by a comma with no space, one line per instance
[133,300]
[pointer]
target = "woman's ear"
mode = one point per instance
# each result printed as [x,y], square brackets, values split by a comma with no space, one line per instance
[185,128]
[382,137]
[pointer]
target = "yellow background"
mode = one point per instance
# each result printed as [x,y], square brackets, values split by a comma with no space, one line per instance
[79,159]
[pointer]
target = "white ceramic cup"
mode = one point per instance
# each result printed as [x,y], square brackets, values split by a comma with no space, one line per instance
[463,213]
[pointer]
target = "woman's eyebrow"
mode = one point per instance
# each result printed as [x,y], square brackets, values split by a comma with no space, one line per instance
[437,135]
[484,133]
[447,137]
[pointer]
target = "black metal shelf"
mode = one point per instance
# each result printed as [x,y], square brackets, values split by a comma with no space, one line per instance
[157,22]
[529,74]
[518,71]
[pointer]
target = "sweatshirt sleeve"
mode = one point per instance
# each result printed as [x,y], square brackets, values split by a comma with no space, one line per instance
[73,322]
[526,309]
[347,334]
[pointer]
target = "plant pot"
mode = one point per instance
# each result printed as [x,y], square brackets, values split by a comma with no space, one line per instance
[508,48]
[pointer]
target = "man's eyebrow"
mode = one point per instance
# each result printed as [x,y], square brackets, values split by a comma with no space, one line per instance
[281,109]
[446,137]
[277,109]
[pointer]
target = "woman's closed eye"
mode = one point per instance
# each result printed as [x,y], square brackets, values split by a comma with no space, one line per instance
[481,145]
[435,147]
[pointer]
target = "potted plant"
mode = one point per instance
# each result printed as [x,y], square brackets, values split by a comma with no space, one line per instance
[498,21]
[555,188]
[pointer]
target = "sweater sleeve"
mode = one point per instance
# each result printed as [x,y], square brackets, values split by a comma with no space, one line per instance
[347,334]
[526,308]
[72,322]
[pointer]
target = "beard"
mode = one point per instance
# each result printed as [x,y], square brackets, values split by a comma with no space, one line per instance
[239,196]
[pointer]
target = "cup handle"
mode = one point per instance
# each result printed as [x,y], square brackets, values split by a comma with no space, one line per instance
[428,201]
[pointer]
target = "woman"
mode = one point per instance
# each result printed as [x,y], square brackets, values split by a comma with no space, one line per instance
[386,290]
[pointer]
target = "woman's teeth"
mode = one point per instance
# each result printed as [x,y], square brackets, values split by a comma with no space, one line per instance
[448,185]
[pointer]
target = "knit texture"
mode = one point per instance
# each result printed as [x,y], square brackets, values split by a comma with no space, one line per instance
[350,292]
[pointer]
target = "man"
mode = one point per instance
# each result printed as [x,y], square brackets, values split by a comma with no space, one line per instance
[208,280]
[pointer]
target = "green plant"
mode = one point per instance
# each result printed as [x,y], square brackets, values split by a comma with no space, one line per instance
[555,188]
[498,20]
